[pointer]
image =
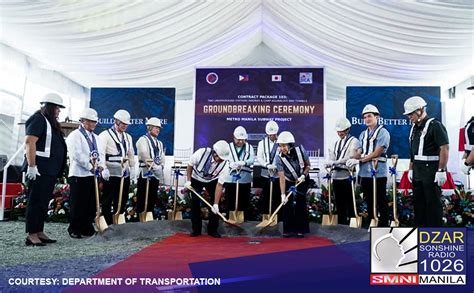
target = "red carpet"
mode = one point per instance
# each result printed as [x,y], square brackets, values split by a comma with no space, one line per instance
[170,257]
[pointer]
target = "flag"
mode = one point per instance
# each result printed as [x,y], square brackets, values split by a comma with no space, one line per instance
[243,77]
[276,77]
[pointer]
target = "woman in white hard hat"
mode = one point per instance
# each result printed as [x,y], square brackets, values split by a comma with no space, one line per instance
[344,149]
[117,148]
[45,160]
[267,150]
[429,150]
[293,166]
[151,156]
[205,168]
[83,149]
[375,141]
[240,161]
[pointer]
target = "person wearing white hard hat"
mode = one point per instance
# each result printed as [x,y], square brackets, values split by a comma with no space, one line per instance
[151,156]
[240,168]
[45,160]
[375,141]
[467,163]
[345,148]
[429,149]
[84,163]
[117,148]
[293,166]
[205,167]
[267,150]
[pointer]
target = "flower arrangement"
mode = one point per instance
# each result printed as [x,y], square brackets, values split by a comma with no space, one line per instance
[58,207]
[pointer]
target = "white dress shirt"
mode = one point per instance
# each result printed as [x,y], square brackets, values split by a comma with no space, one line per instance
[79,154]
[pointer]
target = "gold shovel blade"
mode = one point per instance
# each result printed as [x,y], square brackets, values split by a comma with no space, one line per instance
[119,219]
[329,220]
[374,223]
[266,221]
[394,224]
[101,224]
[355,223]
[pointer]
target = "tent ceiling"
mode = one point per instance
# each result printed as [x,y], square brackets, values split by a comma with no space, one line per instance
[159,43]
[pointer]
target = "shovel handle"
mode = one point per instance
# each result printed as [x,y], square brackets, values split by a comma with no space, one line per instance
[282,204]
[207,203]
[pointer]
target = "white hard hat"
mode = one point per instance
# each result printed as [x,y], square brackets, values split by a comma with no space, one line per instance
[222,149]
[89,114]
[412,104]
[286,137]
[53,98]
[370,109]
[271,127]
[153,121]
[240,133]
[343,124]
[123,116]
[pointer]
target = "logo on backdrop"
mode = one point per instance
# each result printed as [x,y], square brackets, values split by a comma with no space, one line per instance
[306,77]
[276,77]
[243,77]
[212,78]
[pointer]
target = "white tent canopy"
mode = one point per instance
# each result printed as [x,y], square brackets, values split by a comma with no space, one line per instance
[159,43]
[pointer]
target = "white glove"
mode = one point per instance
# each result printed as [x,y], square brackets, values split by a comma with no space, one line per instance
[440,178]
[106,174]
[352,162]
[234,165]
[187,185]
[271,167]
[215,208]
[410,175]
[465,168]
[329,164]
[302,178]
[284,200]
[32,172]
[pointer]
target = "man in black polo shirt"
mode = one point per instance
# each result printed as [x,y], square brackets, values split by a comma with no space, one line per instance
[429,149]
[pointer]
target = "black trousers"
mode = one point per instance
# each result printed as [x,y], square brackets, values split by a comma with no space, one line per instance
[111,195]
[244,196]
[382,201]
[40,192]
[295,212]
[276,198]
[196,207]
[83,205]
[152,193]
[427,196]
[344,202]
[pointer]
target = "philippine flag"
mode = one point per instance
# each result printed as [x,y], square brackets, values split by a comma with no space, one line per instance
[276,77]
[243,77]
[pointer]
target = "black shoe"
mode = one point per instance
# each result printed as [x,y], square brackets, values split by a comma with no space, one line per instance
[215,235]
[75,235]
[47,240]
[300,235]
[88,234]
[286,235]
[195,234]
[28,242]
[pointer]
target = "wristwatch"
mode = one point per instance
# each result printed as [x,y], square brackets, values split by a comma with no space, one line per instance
[442,170]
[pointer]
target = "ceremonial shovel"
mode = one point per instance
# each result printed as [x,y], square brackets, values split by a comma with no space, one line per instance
[395,222]
[119,218]
[236,216]
[146,216]
[175,215]
[375,221]
[270,221]
[99,220]
[210,206]
[329,219]
[266,217]
[355,222]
